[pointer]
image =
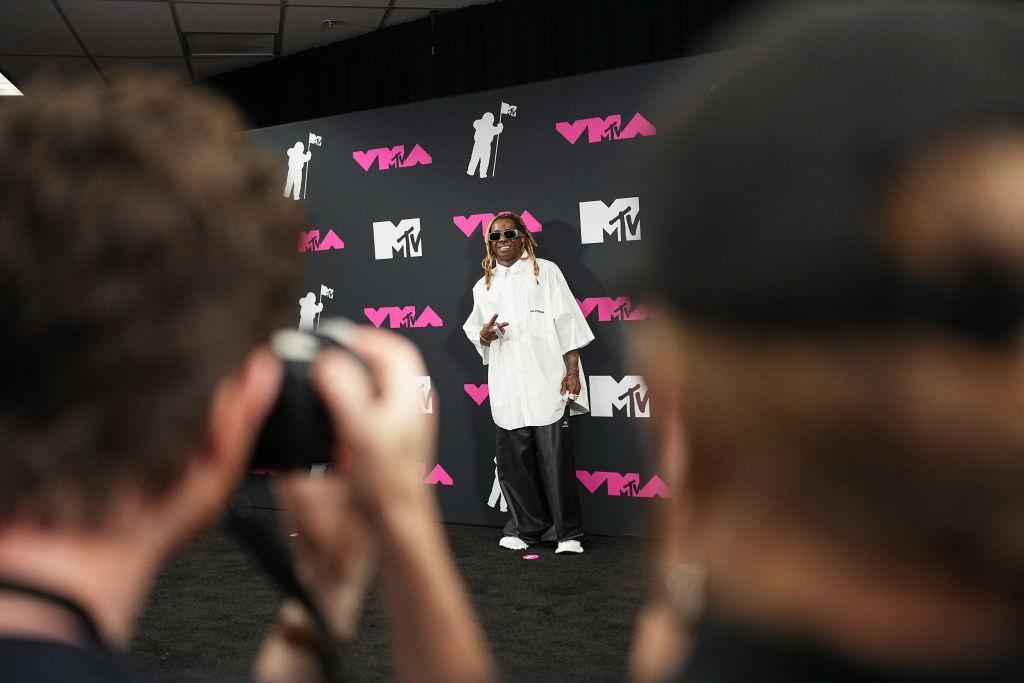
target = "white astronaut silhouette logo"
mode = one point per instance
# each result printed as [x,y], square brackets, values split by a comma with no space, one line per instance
[497,499]
[486,134]
[310,308]
[298,167]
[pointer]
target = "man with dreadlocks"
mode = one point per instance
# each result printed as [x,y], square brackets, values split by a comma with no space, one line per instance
[528,330]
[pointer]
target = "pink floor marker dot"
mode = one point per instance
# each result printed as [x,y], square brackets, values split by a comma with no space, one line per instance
[531,557]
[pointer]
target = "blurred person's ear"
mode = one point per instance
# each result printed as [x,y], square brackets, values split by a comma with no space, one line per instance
[239,406]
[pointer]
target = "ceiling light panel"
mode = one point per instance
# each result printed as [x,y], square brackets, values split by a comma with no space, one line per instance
[7,89]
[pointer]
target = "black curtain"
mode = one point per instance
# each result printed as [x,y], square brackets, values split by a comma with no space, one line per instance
[385,67]
[477,48]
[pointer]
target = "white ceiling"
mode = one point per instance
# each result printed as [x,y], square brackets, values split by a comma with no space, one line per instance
[93,38]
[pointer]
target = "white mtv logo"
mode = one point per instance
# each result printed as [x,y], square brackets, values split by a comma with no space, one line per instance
[627,396]
[422,385]
[621,219]
[391,240]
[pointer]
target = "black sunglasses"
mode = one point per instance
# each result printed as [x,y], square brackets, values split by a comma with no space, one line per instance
[508,234]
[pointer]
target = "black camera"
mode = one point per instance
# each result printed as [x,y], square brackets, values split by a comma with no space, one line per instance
[298,432]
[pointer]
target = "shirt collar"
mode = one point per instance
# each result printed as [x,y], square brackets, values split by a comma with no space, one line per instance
[516,267]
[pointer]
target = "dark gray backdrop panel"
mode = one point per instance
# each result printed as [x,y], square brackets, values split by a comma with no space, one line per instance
[537,170]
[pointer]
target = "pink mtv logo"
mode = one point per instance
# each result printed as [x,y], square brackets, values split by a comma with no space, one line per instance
[623,484]
[609,128]
[392,157]
[311,241]
[470,224]
[477,392]
[402,316]
[436,476]
[619,308]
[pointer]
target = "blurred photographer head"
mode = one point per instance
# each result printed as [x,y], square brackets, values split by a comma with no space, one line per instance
[841,333]
[147,254]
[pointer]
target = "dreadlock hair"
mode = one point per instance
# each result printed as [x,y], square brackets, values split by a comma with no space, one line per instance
[489,258]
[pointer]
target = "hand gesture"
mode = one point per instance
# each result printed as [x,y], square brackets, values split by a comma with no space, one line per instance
[492,330]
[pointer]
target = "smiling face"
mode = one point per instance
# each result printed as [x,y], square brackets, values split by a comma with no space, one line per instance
[506,250]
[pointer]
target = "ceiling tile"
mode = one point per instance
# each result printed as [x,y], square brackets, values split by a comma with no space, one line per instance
[341,3]
[22,70]
[209,66]
[438,4]
[111,66]
[276,3]
[31,27]
[409,10]
[210,17]
[400,16]
[144,29]
[302,25]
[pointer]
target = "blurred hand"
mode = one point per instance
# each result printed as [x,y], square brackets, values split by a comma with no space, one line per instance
[380,499]
[335,549]
[336,517]
[378,417]
[335,554]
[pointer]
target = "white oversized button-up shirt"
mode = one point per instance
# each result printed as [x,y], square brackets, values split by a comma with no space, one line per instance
[525,367]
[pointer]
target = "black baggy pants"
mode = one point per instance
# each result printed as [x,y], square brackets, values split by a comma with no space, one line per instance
[537,476]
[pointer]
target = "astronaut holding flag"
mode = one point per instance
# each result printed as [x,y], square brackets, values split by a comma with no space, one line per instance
[310,308]
[486,132]
[317,140]
[298,167]
[325,292]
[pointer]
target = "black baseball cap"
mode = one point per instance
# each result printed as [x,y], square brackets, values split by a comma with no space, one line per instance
[767,203]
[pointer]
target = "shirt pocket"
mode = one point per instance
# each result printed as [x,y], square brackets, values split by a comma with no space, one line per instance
[538,315]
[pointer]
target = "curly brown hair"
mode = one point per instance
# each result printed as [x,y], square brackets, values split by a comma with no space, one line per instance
[147,250]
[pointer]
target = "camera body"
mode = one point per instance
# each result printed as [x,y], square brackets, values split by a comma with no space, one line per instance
[298,432]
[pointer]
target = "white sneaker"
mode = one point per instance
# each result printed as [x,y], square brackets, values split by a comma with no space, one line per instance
[569,547]
[514,543]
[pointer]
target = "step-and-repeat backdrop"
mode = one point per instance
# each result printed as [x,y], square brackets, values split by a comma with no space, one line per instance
[398,200]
